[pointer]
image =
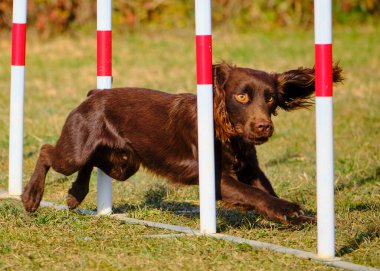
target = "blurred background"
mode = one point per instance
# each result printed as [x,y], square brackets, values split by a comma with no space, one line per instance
[51,17]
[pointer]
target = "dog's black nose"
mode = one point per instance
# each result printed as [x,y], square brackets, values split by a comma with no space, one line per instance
[264,126]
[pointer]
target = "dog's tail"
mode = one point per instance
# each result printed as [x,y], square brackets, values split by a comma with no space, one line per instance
[93,91]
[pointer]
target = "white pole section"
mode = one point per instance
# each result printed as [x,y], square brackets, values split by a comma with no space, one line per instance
[104,81]
[324,127]
[16,127]
[205,107]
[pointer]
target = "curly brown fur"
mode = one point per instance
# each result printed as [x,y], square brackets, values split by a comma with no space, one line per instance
[223,126]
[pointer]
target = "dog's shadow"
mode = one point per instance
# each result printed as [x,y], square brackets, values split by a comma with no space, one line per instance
[227,217]
[154,198]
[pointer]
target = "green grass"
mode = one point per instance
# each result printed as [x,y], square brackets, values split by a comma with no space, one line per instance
[61,71]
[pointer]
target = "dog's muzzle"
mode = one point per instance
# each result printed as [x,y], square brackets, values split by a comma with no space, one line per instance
[261,131]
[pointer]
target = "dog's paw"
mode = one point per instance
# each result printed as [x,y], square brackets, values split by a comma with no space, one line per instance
[76,195]
[288,212]
[31,198]
[72,202]
[304,219]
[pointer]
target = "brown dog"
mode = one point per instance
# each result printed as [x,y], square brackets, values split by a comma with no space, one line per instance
[120,129]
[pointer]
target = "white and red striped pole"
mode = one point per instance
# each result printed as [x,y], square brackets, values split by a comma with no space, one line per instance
[324,127]
[205,116]
[16,127]
[104,81]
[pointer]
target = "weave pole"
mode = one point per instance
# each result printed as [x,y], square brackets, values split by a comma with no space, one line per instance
[205,113]
[324,128]
[16,127]
[104,81]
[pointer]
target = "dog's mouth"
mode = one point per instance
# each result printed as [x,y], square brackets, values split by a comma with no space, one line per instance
[253,138]
[260,140]
[257,140]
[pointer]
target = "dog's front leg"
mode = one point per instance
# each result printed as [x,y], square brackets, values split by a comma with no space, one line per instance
[237,193]
[256,178]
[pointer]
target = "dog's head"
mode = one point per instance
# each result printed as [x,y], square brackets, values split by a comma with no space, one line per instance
[245,99]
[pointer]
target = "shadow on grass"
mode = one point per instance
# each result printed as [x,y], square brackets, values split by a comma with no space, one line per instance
[227,217]
[372,232]
[154,198]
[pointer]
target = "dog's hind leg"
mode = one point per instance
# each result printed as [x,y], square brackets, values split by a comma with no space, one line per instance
[80,187]
[34,190]
[58,157]
[79,139]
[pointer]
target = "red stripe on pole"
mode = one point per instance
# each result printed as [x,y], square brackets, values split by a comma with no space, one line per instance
[104,53]
[323,70]
[18,44]
[204,59]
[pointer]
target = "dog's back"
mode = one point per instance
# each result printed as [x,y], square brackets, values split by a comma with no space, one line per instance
[158,129]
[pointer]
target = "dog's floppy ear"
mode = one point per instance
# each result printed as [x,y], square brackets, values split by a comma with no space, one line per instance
[221,72]
[296,86]
[223,126]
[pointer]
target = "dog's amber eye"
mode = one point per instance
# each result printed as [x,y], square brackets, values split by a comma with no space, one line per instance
[242,98]
[269,100]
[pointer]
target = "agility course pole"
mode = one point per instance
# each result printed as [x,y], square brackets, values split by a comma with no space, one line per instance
[324,128]
[206,157]
[16,127]
[104,81]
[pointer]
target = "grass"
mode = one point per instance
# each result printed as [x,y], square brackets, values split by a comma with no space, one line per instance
[61,71]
